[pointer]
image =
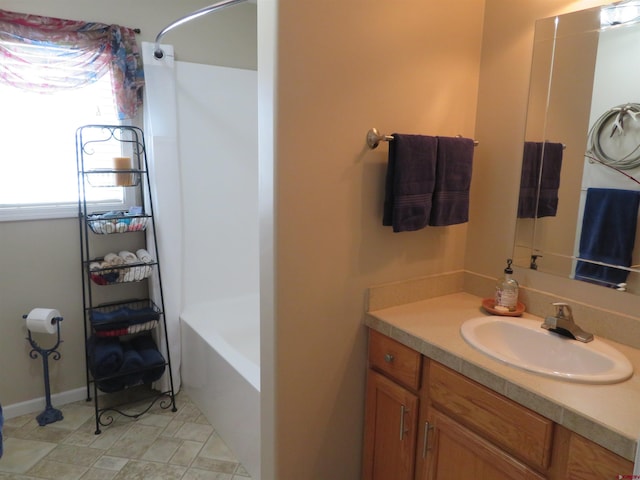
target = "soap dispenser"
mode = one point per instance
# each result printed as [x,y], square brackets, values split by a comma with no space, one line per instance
[506,298]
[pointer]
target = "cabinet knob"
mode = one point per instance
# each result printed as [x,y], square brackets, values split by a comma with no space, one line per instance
[388,358]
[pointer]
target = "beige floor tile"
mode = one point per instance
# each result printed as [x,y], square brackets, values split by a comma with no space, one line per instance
[196,474]
[109,436]
[155,420]
[194,431]
[83,456]
[172,427]
[20,455]
[140,470]
[162,449]
[98,474]
[215,465]
[216,448]
[186,453]
[107,462]
[158,445]
[55,471]
[75,416]
[242,471]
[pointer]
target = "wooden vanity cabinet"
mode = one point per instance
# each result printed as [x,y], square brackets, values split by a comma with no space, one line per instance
[391,413]
[424,421]
[469,431]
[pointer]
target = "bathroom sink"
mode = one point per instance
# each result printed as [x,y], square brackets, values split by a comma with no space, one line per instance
[524,344]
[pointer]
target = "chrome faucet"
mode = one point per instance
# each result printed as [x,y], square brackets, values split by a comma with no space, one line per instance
[563,324]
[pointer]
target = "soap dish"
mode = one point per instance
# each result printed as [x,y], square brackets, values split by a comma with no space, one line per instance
[489,305]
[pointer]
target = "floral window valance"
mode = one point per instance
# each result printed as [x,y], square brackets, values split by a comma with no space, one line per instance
[46,54]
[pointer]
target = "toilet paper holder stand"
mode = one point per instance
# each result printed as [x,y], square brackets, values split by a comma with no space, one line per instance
[49,414]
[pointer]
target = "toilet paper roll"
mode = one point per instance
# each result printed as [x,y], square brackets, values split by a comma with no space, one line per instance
[42,320]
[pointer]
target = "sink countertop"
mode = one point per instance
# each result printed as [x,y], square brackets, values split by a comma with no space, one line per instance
[606,414]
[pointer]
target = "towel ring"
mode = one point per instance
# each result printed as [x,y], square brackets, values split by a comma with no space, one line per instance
[374,137]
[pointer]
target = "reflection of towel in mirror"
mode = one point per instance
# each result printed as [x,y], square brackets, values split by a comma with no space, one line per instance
[453,179]
[608,234]
[536,156]
[410,182]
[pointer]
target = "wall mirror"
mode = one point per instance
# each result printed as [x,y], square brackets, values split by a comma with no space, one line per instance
[580,184]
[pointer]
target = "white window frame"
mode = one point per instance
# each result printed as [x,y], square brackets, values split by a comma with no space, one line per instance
[62,210]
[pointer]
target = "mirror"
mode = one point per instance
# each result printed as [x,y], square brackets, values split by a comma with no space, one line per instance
[580,185]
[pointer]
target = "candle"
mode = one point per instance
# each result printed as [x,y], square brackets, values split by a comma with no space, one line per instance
[123,163]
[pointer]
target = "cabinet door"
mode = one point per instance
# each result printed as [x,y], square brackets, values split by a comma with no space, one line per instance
[390,430]
[453,452]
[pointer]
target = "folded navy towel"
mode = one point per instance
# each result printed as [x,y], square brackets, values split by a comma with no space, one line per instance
[608,234]
[453,179]
[105,356]
[541,163]
[132,363]
[151,357]
[410,182]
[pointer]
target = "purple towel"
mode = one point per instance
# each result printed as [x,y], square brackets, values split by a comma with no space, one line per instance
[453,179]
[410,182]
[537,156]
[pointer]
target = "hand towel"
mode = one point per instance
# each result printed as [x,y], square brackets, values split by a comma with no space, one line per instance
[144,255]
[541,163]
[608,235]
[128,257]
[454,160]
[113,259]
[409,182]
[148,350]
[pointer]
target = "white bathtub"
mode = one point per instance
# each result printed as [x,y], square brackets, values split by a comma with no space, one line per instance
[221,371]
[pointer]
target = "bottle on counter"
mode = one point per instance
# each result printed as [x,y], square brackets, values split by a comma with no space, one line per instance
[506,297]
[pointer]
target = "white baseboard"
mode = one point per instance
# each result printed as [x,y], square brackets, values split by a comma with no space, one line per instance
[36,405]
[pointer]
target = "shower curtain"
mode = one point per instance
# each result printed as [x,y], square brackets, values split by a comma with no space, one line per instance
[161,134]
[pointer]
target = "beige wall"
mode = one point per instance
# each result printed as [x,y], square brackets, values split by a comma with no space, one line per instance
[344,67]
[40,260]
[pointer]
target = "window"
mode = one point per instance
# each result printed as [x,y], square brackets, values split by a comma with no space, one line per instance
[55,76]
[37,151]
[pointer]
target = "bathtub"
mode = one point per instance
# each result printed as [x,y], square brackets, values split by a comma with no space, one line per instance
[220,371]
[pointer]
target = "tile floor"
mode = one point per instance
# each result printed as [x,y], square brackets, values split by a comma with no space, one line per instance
[159,445]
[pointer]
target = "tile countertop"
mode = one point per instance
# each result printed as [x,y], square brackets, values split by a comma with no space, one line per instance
[606,414]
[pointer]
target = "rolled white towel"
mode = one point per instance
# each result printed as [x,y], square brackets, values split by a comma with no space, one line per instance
[107,226]
[113,259]
[144,255]
[93,266]
[128,257]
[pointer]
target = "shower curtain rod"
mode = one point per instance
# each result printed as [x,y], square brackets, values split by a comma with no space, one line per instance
[158,53]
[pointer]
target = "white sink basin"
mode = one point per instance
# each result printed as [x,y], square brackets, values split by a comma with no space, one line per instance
[524,344]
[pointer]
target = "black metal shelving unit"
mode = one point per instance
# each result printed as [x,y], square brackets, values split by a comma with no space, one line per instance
[122,324]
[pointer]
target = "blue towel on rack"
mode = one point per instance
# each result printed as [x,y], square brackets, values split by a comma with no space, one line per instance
[105,356]
[151,357]
[410,182]
[453,178]
[541,163]
[608,235]
[132,364]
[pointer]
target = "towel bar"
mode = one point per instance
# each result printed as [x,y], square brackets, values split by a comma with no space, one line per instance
[374,137]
